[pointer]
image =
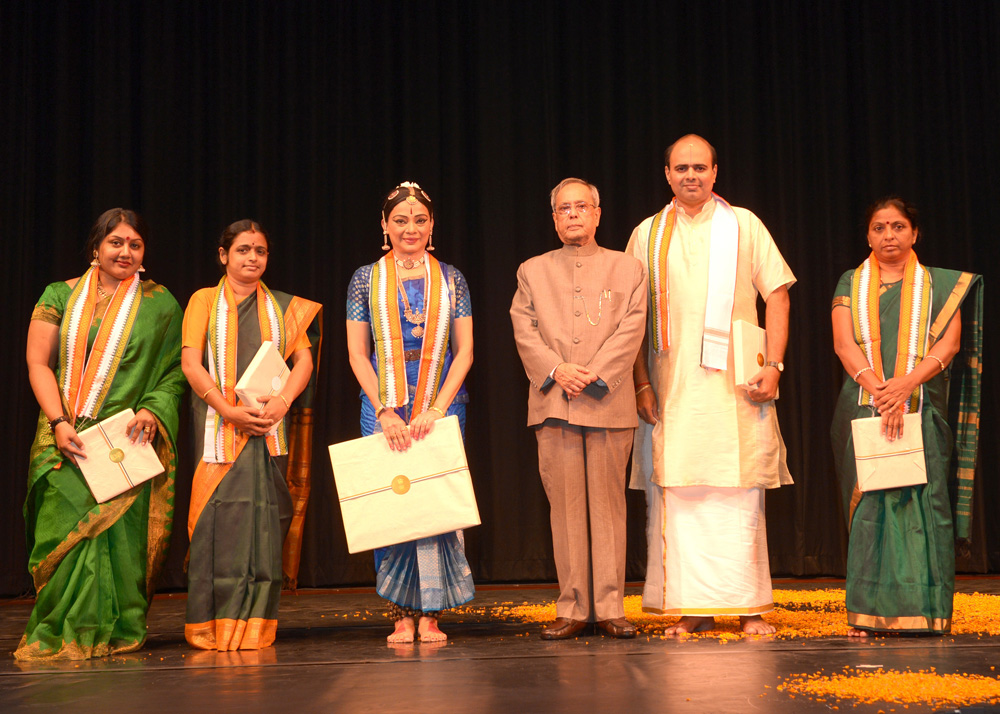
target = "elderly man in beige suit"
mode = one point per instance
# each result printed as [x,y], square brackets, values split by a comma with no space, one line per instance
[579,315]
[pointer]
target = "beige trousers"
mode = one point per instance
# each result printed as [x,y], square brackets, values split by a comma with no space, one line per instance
[583,472]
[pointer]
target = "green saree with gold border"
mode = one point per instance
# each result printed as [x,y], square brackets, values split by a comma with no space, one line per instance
[94,565]
[901,546]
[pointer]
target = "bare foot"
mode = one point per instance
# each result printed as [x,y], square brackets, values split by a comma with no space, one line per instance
[403,632]
[855,632]
[688,624]
[755,625]
[429,631]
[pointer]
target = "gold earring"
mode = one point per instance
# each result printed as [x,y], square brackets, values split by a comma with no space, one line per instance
[95,262]
[142,268]
[385,241]
[430,242]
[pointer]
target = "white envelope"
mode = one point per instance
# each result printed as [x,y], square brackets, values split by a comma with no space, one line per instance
[266,375]
[389,497]
[885,464]
[749,352]
[114,464]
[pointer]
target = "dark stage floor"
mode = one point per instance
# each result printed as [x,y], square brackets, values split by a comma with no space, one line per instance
[331,656]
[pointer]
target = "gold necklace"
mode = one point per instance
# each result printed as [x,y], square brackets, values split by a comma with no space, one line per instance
[414,318]
[101,292]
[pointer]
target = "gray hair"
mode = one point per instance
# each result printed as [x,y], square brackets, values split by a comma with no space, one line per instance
[566,181]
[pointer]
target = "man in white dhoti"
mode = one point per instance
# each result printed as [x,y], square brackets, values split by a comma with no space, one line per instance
[706,449]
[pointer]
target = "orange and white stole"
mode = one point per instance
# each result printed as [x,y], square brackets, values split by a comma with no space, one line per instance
[223,330]
[87,379]
[914,322]
[723,256]
[387,331]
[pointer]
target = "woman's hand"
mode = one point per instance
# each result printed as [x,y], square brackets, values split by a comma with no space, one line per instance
[397,434]
[422,423]
[69,442]
[142,428]
[892,393]
[247,419]
[892,424]
[274,409]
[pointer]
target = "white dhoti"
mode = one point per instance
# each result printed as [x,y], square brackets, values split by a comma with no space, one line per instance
[713,452]
[707,552]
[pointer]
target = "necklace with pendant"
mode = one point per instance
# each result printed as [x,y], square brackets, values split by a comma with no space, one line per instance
[409,263]
[414,318]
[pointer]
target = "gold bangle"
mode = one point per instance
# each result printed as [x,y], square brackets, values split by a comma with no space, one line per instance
[378,412]
[203,396]
[438,410]
[938,361]
[643,387]
[285,401]
[862,371]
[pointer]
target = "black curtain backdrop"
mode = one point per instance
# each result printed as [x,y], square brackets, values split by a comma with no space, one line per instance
[303,114]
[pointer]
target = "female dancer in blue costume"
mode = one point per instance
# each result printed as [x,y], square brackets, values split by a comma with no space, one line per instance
[419,314]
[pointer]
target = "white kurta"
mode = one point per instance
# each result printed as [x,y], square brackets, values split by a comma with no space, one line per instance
[710,433]
[713,448]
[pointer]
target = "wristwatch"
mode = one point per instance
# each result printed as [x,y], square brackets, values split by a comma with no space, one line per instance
[56,422]
[780,366]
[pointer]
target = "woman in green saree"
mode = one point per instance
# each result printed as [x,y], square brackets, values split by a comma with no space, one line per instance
[241,507]
[97,345]
[910,340]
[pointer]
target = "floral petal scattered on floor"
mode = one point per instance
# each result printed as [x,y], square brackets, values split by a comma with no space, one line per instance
[895,687]
[797,613]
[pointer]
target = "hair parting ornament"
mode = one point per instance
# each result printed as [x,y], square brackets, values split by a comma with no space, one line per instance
[410,192]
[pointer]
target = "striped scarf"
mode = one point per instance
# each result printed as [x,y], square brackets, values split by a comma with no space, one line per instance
[87,379]
[724,252]
[388,334]
[223,331]
[914,322]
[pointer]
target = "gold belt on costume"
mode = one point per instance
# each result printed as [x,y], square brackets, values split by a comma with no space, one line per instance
[411,355]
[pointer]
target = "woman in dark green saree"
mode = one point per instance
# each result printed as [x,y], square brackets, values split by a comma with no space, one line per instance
[910,340]
[97,345]
[241,506]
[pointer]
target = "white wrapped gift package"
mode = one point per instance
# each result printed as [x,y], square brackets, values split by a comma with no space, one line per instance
[389,497]
[885,464]
[114,464]
[265,376]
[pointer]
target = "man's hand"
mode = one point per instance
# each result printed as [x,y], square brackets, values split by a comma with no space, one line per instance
[573,378]
[764,384]
[646,405]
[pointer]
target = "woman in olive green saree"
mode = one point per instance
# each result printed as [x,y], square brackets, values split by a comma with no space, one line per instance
[910,340]
[97,345]
[241,507]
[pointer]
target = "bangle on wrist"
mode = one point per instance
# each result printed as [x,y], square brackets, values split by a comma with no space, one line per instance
[862,371]
[438,410]
[285,401]
[644,385]
[204,397]
[378,412]
[939,361]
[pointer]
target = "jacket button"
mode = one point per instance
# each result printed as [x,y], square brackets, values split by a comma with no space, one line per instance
[579,264]
[576,340]
[577,288]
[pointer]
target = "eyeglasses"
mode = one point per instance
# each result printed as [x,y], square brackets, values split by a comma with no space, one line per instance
[578,207]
